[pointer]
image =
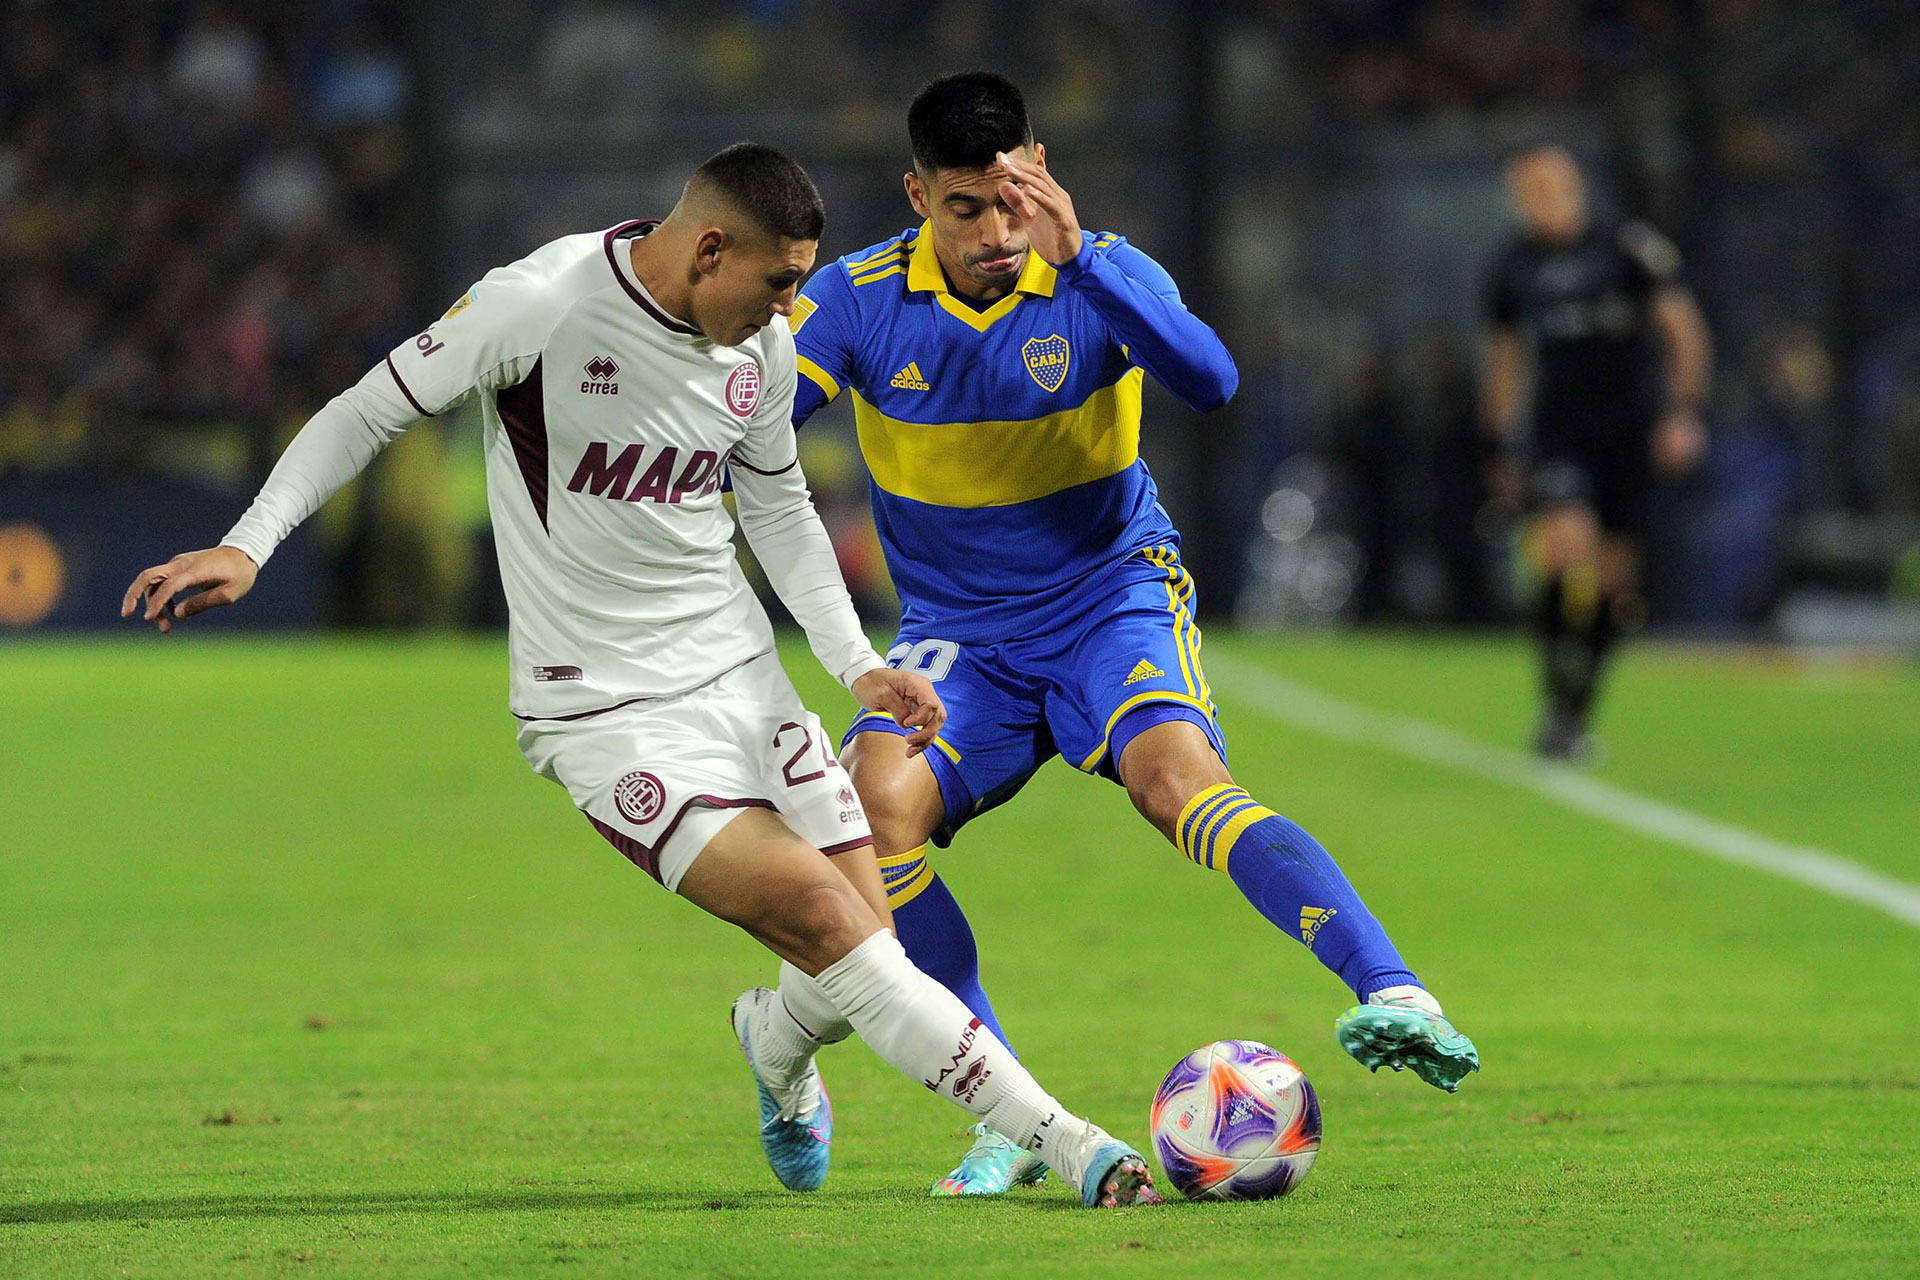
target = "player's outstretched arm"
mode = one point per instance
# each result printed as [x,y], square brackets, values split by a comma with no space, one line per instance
[335,446]
[217,576]
[488,340]
[1132,293]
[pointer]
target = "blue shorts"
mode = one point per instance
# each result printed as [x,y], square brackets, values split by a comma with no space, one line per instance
[1125,659]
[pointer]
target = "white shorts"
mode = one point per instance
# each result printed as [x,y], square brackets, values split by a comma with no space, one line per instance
[661,777]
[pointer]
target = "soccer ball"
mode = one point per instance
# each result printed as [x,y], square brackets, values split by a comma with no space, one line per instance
[1235,1120]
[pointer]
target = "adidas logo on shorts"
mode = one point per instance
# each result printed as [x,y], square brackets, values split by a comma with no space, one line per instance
[1142,670]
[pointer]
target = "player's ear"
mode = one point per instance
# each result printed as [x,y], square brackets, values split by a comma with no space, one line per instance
[706,250]
[917,196]
[1040,154]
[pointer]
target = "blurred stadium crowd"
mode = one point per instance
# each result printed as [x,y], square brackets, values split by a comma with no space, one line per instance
[212,217]
[206,220]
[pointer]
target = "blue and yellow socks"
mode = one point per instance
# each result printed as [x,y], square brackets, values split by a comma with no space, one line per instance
[1294,882]
[935,932]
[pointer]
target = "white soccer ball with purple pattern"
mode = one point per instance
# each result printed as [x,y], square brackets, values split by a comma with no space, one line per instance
[1235,1120]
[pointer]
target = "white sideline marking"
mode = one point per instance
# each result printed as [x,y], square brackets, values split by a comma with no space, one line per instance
[1306,708]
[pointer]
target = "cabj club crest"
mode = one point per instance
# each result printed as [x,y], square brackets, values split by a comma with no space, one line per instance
[1046,360]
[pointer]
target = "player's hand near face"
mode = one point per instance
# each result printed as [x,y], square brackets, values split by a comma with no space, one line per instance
[1030,191]
[909,698]
[222,575]
[1679,442]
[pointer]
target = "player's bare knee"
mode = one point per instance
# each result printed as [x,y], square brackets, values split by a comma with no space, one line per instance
[1160,790]
[900,795]
[822,922]
[1165,767]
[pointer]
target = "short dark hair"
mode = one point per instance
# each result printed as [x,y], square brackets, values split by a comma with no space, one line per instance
[768,186]
[960,121]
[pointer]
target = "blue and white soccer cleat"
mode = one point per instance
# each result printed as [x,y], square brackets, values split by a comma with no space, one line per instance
[1116,1176]
[992,1165]
[1402,1028]
[797,1135]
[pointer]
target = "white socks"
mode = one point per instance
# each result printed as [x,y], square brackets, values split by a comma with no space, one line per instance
[792,1026]
[923,1030]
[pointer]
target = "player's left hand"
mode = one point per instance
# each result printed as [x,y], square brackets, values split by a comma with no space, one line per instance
[218,576]
[909,698]
[1679,442]
[1030,191]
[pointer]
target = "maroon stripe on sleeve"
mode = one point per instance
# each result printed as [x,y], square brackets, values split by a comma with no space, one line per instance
[625,230]
[845,845]
[523,412]
[400,382]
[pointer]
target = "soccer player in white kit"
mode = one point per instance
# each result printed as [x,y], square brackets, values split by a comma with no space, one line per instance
[621,374]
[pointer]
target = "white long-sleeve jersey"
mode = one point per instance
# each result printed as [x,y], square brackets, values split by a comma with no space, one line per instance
[609,426]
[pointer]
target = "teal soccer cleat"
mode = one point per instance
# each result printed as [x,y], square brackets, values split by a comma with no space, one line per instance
[992,1165]
[1407,1030]
[798,1136]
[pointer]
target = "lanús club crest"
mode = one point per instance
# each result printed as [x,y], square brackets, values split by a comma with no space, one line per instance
[1046,360]
[743,389]
[639,797]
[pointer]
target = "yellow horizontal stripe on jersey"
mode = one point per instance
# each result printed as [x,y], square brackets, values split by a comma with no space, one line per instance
[897,269]
[878,263]
[891,246]
[821,378]
[993,464]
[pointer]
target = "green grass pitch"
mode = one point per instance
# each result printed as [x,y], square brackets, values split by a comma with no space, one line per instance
[303,972]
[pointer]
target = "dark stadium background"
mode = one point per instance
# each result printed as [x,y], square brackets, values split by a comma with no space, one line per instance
[212,217]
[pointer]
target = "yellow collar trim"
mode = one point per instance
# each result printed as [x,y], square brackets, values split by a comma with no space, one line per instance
[924,275]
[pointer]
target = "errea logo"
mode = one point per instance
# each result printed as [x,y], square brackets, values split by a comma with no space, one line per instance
[600,371]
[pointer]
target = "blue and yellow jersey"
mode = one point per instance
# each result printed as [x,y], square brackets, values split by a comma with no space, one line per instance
[1003,440]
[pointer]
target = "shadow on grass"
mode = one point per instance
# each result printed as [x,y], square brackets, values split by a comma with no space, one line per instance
[295,1204]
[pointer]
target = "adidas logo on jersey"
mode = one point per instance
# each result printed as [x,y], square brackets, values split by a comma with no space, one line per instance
[1142,670]
[1311,918]
[910,379]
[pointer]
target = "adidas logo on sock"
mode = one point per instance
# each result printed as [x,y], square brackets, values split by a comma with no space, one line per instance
[910,379]
[1142,670]
[1311,918]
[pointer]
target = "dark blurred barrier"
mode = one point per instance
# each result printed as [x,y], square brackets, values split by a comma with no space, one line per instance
[70,544]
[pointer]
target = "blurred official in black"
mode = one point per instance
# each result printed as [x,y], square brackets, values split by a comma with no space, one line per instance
[1598,365]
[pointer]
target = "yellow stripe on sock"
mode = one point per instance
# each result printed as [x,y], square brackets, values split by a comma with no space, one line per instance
[905,875]
[1221,845]
[1211,801]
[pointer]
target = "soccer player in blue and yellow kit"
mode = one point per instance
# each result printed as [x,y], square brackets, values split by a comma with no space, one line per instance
[995,355]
